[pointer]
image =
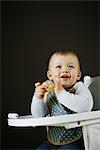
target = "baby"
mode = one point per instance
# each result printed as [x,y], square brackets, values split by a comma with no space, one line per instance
[62,94]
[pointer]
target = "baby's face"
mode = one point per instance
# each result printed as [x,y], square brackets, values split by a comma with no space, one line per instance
[64,69]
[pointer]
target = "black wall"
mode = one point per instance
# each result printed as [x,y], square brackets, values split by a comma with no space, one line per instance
[30,32]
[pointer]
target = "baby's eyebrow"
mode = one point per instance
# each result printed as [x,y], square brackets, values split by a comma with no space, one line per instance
[71,64]
[57,64]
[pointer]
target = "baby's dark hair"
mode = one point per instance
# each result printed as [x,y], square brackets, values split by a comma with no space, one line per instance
[63,52]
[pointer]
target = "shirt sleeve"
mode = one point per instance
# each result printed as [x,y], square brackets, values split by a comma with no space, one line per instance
[38,107]
[81,101]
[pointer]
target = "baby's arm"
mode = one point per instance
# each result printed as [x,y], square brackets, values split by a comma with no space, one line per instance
[81,101]
[38,107]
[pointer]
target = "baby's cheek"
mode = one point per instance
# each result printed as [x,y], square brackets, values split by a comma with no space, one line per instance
[56,77]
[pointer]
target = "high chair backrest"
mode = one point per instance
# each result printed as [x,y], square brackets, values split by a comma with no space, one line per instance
[95,90]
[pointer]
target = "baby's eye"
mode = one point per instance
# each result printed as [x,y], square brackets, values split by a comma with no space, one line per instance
[71,66]
[58,66]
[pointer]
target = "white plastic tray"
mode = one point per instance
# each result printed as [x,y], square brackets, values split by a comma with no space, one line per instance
[69,121]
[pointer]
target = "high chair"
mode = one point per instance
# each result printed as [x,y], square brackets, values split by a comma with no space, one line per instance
[89,121]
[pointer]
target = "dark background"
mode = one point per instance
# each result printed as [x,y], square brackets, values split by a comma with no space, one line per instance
[30,32]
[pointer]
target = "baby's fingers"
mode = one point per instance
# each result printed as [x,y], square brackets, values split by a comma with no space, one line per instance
[40,90]
[37,84]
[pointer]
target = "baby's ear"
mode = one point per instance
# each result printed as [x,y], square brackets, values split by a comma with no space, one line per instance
[79,75]
[49,75]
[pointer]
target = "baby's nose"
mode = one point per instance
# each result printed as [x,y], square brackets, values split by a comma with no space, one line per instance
[65,69]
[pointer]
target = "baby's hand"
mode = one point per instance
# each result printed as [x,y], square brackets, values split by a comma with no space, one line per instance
[39,90]
[49,86]
[58,85]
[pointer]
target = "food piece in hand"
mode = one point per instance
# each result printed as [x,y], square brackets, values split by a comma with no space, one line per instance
[49,86]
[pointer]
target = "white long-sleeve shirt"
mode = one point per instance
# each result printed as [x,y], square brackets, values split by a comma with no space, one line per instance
[81,101]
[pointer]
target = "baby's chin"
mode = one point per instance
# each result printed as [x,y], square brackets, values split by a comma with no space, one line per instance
[66,86]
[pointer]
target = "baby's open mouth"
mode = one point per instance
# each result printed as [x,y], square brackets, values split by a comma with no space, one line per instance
[65,77]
